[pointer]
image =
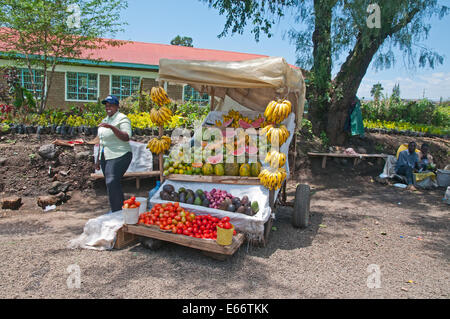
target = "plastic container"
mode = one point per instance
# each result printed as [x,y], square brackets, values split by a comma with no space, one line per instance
[224,236]
[130,216]
[152,192]
[443,177]
[143,201]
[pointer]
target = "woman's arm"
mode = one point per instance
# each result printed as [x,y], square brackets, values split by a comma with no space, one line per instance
[123,136]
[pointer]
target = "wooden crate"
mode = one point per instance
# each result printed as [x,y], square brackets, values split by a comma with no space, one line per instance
[210,247]
[125,239]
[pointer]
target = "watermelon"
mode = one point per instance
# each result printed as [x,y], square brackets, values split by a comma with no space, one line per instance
[239,151]
[244,124]
[229,134]
[251,150]
[257,123]
[216,159]
[227,123]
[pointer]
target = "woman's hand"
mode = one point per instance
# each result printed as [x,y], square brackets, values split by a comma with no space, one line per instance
[97,165]
[106,125]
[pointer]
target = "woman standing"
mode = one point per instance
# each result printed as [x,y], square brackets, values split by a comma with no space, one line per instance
[114,156]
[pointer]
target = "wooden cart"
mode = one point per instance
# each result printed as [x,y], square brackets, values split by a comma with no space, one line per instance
[252,84]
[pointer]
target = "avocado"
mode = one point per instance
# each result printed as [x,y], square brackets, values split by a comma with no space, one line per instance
[248,211]
[190,200]
[181,190]
[231,208]
[164,195]
[241,210]
[168,188]
[255,207]
[206,203]
[198,201]
[245,200]
[224,205]
[199,192]
[183,197]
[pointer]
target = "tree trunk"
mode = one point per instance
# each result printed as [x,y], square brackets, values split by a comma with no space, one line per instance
[347,83]
[318,91]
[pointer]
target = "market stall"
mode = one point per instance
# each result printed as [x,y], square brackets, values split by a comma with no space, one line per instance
[254,105]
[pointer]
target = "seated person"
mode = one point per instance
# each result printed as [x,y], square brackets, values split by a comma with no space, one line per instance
[425,159]
[408,161]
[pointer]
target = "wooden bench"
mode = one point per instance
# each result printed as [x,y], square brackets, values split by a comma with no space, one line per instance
[136,175]
[356,158]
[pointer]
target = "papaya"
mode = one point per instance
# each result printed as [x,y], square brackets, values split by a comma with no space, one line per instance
[219,170]
[255,169]
[231,169]
[244,170]
[207,169]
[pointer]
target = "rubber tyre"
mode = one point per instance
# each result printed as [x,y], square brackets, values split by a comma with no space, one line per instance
[300,215]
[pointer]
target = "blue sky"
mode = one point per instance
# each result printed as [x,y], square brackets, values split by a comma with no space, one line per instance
[160,21]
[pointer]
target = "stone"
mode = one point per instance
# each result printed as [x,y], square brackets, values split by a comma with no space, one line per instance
[83,155]
[48,151]
[13,202]
[58,187]
[3,161]
[44,201]
[361,150]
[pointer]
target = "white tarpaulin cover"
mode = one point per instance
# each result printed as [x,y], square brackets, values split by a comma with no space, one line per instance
[253,226]
[251,83]
[99,233]
[142,158]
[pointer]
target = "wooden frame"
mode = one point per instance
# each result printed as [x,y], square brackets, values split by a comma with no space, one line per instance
[357,158]
[136,175]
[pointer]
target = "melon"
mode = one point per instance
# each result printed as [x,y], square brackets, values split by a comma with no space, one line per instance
[216,159]
[207,169]
[232,169]
[244,170]
[219,170]
[244,124]
[255,169]
[229,133]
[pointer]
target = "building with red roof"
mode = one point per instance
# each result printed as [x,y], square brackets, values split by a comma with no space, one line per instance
[120,70]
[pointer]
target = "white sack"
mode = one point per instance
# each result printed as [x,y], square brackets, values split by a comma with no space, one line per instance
[142,158]
[99,233]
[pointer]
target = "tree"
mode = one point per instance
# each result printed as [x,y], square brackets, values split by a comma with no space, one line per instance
[396,92]
[328,30]
[182,41]
[40,34]
[376,91]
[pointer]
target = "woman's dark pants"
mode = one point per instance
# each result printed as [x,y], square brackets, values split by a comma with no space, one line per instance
[113,170]
[406,171]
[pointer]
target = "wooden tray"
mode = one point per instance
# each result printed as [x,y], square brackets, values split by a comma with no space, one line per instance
[197,243]
[238,180]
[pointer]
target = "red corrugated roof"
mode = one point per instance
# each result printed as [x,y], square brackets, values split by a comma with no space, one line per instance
[151,53]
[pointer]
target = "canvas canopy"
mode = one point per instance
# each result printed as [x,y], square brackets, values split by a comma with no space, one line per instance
[251,84]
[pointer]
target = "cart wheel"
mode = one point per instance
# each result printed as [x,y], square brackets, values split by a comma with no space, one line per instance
[300,215]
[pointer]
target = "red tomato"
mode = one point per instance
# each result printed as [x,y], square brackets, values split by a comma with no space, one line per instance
[179,231]
[227,225]
[226,219]
[220,225]
[234,232]
[176,205]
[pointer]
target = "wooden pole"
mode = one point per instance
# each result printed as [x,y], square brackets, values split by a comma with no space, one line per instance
[212,99]
[161,160]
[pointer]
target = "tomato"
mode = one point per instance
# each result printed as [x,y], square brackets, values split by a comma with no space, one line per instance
[138,204]
[234,232]
[227,225]
[220,225]
[179,231]
[178,218]
[226,219]
[174,230]
[185,232]
[133,206]
[176,205]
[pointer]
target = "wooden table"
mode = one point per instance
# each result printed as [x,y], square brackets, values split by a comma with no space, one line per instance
[236,180]
[210,247]
[136,175]
[356,158]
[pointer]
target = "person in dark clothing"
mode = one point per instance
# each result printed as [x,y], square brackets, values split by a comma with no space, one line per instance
[408,162]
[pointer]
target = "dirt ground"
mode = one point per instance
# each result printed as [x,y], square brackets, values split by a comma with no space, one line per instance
[357,225]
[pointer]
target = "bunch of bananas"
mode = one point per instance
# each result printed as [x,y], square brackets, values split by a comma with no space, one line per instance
[277,111]
[276,135]
[159,96]
[161,116]
[272,179]
[159,145]
[275,159]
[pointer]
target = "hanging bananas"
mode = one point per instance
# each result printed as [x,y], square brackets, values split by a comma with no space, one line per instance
[277,111]
[159,96]
[161,116]
[159,145]
[272,179]
[277,136]
[275,159]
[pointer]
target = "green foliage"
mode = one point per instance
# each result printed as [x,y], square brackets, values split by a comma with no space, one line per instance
[324,138]
[182,41]
[415,112]
[192,112]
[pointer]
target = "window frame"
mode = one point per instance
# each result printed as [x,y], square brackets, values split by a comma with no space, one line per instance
[22,82]
[195,101]
[66,92]
[120,76]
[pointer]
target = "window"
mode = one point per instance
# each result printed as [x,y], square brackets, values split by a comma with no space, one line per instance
[81,86]
[190,94]
[26,79]
[124,86]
